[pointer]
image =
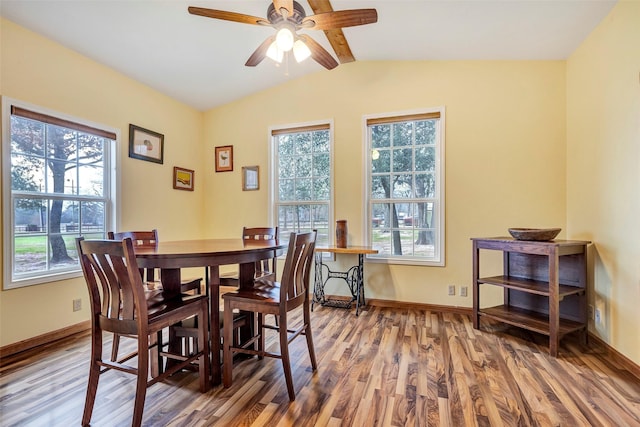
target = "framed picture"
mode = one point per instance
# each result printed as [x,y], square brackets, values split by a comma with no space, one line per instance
[250,178]
[145,144]
[224,158]
[183,178]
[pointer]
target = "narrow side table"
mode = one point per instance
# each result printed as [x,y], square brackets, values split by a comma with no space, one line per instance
[354,277]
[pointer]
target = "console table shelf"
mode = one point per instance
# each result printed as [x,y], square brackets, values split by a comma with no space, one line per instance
[544,283]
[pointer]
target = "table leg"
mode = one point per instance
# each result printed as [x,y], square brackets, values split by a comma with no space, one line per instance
[171,280]
[214,323]
[360,280]
[318,284]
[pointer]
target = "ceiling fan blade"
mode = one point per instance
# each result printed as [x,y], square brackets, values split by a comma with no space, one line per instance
[260,53]
[227,16]
[286,4]
[340,19]
[319,54]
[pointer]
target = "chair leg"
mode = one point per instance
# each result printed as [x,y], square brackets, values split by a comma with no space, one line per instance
[286,360]
[308,335]
[260,330]
[114,347]
[94,376]
[227,343]
[204,360]
[141,383]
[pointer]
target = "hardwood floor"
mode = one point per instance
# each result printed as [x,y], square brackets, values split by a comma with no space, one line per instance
[389,367]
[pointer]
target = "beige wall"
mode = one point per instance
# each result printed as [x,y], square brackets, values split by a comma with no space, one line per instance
[528,144]
[505,153]
[603,169]
[40,72]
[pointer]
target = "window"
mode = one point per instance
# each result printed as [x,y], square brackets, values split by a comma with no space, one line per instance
[57,186]
[302,187]
[405,187]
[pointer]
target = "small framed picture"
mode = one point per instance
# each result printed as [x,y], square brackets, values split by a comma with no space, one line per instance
[183,178]
[145,144]
[224,158]
[250,178]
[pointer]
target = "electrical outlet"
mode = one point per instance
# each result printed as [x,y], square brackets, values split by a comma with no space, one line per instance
[452,290]
[77,304]
[598,316]
[591,312]
[463,291]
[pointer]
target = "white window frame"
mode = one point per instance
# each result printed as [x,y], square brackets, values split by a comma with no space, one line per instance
[111,187]
[273,173]
[439,259]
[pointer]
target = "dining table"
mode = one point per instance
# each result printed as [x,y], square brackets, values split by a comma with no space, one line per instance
[172,256]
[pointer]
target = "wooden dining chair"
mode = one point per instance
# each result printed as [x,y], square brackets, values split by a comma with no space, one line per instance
[120,304]
[149,239]
[265,268]
[278,299]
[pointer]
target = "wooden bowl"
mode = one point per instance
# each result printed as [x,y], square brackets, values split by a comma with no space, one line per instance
[537,234]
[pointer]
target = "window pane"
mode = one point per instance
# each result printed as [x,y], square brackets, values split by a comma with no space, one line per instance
[380,136]
[303,189]
[425,185]
[321,189]
[61,143]
[303,166]
[425,159]
[403,159]
[27,136]
[402,186]
[285,167]
[426,132]
[380,187]
[90,180]
[286,190]
[381,161]
[321,141]
[30,215]
[303,143]
[321,164]
[92,216]
[90,149]
[30,253]
[402,134]
[27,173]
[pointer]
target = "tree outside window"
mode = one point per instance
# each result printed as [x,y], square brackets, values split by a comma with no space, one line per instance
[59,191]
[302,180]
[405,180]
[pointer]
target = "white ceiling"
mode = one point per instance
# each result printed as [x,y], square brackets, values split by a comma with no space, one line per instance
[200,61]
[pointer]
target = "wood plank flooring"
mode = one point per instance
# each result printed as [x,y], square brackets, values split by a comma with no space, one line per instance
[388,367]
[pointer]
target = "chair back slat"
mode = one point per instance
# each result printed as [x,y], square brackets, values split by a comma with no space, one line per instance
[266,266]
[140,239]
[111,274]
[297,268]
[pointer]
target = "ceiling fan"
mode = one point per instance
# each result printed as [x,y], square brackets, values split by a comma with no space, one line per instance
[287,17]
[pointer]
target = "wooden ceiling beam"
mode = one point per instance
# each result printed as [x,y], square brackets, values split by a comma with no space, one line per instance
[336,37]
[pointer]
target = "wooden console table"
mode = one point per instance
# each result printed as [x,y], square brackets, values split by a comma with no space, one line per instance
[354,277]
[545,286]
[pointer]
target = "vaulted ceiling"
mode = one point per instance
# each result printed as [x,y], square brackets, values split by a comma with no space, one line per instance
[200,61]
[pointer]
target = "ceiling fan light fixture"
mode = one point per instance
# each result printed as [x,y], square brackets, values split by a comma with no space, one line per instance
[301,51]
[284,39]
[274,53]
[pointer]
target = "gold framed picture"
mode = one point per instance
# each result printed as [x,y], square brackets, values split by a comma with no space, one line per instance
[183,178]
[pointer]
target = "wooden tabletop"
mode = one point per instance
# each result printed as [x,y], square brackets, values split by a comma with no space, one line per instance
[205,252]
[347,250]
